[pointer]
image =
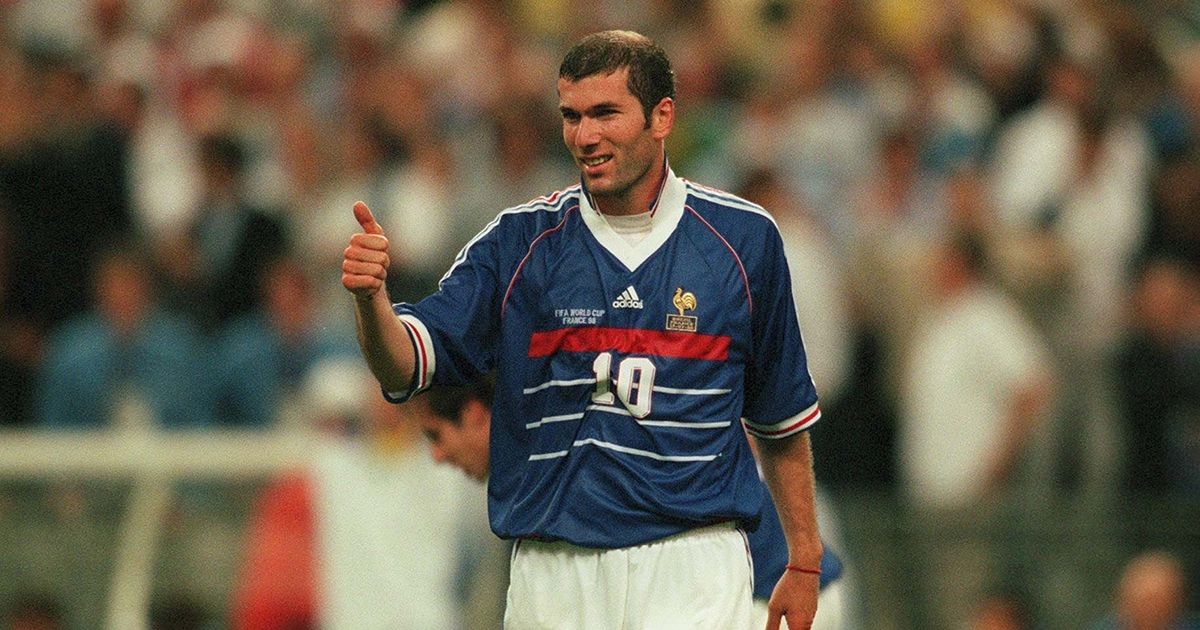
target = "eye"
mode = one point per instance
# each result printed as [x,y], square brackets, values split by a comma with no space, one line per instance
[570,116]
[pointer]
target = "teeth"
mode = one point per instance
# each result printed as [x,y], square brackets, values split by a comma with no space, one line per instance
[594,161]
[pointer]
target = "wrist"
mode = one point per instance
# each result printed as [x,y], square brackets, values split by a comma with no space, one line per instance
[803,569]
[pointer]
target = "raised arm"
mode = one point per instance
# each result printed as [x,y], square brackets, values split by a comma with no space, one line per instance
[788,471]
[384,343]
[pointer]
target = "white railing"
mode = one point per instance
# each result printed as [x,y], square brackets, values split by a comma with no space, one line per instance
[152,460]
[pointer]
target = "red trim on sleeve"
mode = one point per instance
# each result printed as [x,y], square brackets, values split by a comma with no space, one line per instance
[422,361]
[802,423]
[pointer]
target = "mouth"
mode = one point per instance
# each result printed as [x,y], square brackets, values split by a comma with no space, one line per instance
[591,163]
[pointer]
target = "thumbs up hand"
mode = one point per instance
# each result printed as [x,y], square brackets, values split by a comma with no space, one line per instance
[365,262]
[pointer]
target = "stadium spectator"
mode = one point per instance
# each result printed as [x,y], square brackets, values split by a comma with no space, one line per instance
[339,545]
[1151,595]
[261,360]
[214,263]
[127,362]
[976,388]
[1002,610]
[35,611]
[1157,372]
[62,184]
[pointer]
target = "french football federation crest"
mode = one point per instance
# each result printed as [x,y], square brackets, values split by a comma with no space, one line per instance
[683,301]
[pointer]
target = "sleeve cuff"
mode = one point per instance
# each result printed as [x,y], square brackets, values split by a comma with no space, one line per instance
[784,428]
[424,359]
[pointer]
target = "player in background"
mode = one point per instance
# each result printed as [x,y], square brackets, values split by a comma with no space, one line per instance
[457,425]
[636,322]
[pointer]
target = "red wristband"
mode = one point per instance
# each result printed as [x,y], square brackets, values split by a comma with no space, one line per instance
[792,567]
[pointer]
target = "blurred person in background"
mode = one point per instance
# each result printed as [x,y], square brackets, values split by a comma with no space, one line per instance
[520,164]
[1152,594]
[1174,230]
[1157,372]
[261,360]
[338,544]
[976,388]
[214,263]
[62,182]
[900,216]
[34,611]
[826,139]
[20,352]
[1002,610]
[127,362]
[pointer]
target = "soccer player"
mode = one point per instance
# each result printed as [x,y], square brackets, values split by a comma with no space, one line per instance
[636,322]
[457,423]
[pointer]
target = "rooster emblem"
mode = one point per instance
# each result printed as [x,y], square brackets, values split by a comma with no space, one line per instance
[683,301]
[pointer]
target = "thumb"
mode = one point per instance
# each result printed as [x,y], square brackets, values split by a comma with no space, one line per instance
[367,220]
[774,618]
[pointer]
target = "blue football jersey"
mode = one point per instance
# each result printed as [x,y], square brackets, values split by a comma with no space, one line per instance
[624,373]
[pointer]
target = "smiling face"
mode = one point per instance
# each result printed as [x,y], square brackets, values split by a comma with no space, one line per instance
[618,150]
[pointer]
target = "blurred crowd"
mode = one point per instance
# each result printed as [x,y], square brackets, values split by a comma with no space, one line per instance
[991,209]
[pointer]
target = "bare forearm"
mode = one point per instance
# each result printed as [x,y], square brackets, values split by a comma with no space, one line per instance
[384,343]
[788,471]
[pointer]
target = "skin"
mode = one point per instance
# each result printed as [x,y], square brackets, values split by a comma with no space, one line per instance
[462,444]
[603,121]
[620,152]
[1152,592]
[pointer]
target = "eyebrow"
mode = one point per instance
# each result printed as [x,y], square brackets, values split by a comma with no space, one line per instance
[606,105]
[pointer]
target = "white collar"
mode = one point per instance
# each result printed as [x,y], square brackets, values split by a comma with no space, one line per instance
[668,209]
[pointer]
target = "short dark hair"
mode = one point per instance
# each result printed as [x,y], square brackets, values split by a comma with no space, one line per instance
[448,401]
[650,76]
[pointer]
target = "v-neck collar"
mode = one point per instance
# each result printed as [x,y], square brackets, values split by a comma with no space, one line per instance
[664,216]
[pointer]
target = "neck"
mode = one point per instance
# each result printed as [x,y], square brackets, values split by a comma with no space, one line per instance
[639,197]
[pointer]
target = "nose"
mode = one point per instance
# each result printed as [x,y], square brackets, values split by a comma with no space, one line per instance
[439,455]
[587,133]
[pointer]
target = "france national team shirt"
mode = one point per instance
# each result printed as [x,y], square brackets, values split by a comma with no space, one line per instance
[624,373]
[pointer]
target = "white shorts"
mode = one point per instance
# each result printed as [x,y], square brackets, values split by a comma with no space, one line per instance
[698,579]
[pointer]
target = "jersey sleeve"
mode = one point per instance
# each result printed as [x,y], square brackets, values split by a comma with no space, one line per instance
[454,330]
[781,399]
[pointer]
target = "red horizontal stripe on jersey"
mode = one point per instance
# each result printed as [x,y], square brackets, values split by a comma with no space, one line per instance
[791,427]
[661,343]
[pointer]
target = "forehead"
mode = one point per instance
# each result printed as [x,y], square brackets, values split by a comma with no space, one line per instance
[612,87]
[432,425]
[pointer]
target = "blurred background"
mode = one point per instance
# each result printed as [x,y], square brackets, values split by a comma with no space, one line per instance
[991,211]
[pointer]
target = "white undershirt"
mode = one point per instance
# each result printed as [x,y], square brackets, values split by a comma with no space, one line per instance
[634,228]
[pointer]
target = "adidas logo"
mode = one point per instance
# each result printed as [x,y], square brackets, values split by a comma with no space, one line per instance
[628,299]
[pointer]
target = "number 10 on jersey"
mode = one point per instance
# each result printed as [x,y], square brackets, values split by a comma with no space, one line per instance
[634,383]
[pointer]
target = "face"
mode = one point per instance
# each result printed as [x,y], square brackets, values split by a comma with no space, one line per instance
[607,134]
[465,445]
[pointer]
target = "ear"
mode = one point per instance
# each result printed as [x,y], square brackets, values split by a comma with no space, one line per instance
[662,118]
[475,414]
